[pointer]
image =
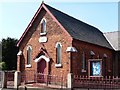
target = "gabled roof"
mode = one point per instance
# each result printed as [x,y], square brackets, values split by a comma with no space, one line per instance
[76,28]
[114,39]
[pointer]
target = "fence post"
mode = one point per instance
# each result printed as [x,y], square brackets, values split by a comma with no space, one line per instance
[17,79]
[70,81]
[4,79]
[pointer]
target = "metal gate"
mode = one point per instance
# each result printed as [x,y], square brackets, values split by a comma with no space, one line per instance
[35,79]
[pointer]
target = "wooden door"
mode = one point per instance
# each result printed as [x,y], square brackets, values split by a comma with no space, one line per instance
[41,70]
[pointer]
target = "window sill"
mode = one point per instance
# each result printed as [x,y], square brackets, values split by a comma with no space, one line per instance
[58,65]
[43,33]
[28,66]
[83,70]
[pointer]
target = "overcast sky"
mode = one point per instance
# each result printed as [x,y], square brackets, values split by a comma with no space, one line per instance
[15,16]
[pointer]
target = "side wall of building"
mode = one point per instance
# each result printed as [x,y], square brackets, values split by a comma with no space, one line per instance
[117,63]
[99,54]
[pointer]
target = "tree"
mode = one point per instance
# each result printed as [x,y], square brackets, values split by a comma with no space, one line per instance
[9,53]
[3,66]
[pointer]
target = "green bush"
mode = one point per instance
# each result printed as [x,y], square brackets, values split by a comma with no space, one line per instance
[2,66]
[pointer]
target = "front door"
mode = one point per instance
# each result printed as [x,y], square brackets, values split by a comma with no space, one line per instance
[41,70]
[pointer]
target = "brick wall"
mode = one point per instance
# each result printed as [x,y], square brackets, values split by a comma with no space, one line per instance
[87,47]
[54,34]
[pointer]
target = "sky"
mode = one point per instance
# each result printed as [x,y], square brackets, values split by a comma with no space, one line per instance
[16,15]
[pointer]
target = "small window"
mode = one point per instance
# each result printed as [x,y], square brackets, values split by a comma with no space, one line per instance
[109,65]
[29,53]
[92,54]
[104,64]
[58,54]
[43,27]
[83,62]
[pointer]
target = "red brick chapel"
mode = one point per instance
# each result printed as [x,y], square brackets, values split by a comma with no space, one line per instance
[57,44]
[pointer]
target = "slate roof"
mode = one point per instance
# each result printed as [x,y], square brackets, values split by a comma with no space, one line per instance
[76,28]
[114,39]
[80,30]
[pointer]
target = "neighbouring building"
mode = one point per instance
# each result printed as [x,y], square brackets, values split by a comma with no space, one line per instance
[114,39]
[57,44]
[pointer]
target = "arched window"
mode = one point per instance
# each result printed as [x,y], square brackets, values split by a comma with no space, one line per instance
[58,54]
[83,62]
[43,27]
[104,64]
[58,50]
[92,54]
[29,53]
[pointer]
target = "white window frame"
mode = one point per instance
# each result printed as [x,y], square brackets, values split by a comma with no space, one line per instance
[58,62]
[43,27]
[30,57]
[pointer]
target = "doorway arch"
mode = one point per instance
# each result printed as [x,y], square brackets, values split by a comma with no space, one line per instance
[42,68]
[42,57]
[42,64]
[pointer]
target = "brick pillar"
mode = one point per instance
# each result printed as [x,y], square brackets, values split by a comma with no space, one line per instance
[4,80]
[116,65]
[18,63]
[17,79]
[18,60]
[70,81]
[47,67]
[47,73]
